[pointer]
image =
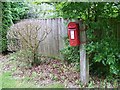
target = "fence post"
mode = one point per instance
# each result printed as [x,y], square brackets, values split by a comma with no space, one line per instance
[84,63]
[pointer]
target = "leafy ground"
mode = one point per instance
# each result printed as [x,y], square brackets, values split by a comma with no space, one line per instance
[50,74]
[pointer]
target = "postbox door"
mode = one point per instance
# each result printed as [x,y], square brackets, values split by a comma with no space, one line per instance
[73,33]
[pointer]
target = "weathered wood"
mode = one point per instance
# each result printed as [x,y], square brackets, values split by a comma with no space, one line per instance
[84,63]
[54,41]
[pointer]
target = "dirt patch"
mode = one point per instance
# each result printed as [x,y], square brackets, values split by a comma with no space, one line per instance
[50,72]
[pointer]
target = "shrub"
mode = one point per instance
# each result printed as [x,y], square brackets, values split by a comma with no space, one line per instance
[70,54]
[103,50]
[24,58]
[27,35]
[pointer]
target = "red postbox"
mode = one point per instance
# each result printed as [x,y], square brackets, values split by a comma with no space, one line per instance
[74,33]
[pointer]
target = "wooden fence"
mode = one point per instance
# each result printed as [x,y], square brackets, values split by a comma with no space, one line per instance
[54,42]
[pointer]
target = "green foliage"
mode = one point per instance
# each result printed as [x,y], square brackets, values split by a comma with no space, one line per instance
[70,54]
[19,11]
[66,10]
[6,22]
[103,47]
[11,12]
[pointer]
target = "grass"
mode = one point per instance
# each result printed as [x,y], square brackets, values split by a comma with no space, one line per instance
[0,81]
[55,85]
[0,75]
[9,82]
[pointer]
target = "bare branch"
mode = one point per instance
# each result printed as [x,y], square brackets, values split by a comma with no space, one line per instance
[27,32]
[29,45]
[43,38]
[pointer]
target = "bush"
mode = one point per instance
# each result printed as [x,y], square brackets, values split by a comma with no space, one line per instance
[103,50]
[70,54]
[25,58]
[27,35]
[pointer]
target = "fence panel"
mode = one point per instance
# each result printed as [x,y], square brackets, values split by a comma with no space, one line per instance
[54,42]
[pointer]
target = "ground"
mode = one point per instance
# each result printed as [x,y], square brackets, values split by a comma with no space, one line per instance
[52,73]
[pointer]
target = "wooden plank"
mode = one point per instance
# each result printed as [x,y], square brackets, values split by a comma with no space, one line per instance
[51,38]
[84,62]
[55,37]
[47,40]
[59,35]
[41,44]
[44,42]
[48,37]
[62,34]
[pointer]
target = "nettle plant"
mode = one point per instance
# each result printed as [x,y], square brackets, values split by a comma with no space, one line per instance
[25,37]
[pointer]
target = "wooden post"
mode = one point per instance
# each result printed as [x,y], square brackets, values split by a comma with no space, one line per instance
[84,63]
